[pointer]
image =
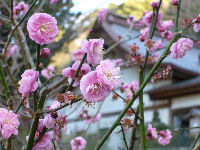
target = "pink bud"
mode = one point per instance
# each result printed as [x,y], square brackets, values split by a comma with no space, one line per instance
[141,38]
[174,2]
[45,53]
[41,65]
[154,4]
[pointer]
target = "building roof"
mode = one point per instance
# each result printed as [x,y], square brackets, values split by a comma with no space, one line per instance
[187,87]
[115,25]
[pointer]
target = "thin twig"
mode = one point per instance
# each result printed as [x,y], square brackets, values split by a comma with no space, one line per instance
[16,26]
[124,138]
[195,142]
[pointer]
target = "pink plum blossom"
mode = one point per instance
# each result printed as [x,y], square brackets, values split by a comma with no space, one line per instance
[151,133]
[54,105]
[70,72]
[48,121]
[20,9]
[45,53]
[148,17]
[93,119]
[102,15]
[167,35]
[197,24]
[131,19]
[108,74]
[179,48]
[165,137]
[42,28]
[168,24]
[12,50]
[28,83]
[158,44]
[128,87]
[53,1]
[41,125]
[93,90]
[145,33]
[78,143]
[48,72]
[45,143]
[94,50]
[77,55]
[9,123]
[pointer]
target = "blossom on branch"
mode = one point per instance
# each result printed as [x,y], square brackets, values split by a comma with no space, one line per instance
[165,137]
[108,74]
[102,15]
[48,72]
[197,24]
[94,50]
[92,89]
[28,83]
[20,9]
[179,48]
[42,28]
[9,123]
[151,133]
[77,55]
[70,72]
[78,143]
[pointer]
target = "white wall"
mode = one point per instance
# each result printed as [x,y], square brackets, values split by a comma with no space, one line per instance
[186,101]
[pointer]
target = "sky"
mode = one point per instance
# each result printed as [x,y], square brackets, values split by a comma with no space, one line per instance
[87,6]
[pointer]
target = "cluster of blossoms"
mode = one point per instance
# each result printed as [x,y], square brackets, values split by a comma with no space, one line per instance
[20,9]
[130,89]
[164,137]
[137,58]
[9,123]
[55,122]
[67,97]
[163,74]
[97,85]
[88,118]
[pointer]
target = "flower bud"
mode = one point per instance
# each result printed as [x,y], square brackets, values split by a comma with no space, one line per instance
[154,4]
[174,2]
[45,53]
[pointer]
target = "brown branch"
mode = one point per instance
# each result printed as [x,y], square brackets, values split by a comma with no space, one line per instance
[133,136]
